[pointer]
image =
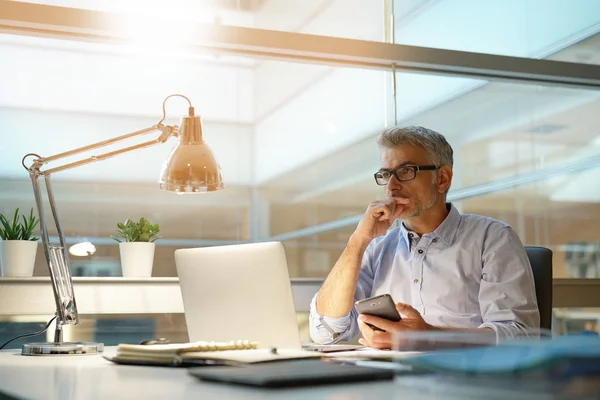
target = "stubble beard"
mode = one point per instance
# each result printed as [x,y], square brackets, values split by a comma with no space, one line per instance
[419,207]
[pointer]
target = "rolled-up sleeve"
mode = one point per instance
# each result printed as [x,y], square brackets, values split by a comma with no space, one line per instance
[326,330]
[507,290]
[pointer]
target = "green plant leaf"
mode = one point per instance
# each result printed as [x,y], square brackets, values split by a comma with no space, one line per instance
[16,230]
[141,231]
[15,227]
[6,231]
[118,240]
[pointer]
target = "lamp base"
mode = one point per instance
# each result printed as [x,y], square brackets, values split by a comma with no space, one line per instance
[62,349]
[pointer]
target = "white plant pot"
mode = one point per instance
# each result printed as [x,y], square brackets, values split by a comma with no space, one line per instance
[136,259]
[17,257]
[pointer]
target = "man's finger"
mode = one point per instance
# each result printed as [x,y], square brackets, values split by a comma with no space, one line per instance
[381,212]
[365,330]
[399,204]
[381,346]
[383,338]
[401,200]
[398,211]
[380,340]
[408,311]
[381,323]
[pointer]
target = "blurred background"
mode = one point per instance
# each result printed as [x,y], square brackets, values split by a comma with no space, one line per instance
[296,141]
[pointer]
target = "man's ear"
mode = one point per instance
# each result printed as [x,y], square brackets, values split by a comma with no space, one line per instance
[444,178]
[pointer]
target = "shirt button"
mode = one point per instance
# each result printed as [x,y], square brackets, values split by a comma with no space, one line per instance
[410,235]
[420,251]
[416,281]
[434,240]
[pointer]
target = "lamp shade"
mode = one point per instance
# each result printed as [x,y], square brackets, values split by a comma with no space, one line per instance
[191,167]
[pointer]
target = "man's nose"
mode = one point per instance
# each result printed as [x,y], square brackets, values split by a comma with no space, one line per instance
[393,183]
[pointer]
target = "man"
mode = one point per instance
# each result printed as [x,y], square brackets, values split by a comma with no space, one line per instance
[446,270]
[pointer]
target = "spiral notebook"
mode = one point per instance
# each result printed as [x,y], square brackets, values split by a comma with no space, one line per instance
[204,353]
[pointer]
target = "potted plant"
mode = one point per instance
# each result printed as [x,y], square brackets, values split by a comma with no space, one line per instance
[18,247]
[136,247]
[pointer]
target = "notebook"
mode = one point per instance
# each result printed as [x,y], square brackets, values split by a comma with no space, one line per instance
[170,354]
[203,353]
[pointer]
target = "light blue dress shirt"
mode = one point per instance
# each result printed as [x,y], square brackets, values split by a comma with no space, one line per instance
[471,272]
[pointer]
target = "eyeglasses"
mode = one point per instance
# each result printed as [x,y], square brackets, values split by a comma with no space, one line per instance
[403,173]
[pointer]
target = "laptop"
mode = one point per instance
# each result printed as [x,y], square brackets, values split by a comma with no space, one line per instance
[241,292]
[238,292]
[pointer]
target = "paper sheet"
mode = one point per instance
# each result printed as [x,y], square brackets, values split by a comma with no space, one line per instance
[368,353]
[251,356]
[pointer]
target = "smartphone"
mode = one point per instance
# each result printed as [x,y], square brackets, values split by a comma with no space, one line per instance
[381,306]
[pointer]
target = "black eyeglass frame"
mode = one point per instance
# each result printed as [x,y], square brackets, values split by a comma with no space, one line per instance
[414,168]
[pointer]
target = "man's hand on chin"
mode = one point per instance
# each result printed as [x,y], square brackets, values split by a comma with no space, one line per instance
[411,321]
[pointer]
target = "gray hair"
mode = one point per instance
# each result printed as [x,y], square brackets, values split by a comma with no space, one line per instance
[434,143]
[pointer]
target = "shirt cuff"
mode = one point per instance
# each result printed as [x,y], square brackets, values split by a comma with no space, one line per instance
[507,330]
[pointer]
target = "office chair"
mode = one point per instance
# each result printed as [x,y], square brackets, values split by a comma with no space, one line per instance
[540,259]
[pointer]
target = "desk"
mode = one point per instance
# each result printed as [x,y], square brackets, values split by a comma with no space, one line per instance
[93,377]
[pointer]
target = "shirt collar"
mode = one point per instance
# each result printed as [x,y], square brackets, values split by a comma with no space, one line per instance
[446,231]
[404,234]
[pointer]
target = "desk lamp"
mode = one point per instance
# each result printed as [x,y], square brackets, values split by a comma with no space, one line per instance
[190,168]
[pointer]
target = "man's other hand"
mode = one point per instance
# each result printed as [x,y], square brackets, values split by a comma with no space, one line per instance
[411,321]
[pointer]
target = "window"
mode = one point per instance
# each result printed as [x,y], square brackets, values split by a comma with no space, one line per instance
[553,29]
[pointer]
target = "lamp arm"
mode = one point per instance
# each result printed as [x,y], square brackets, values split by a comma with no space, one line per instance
[58,261]
[167,131]
[56,254]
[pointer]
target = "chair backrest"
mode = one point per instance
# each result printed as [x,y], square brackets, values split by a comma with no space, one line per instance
[540,259]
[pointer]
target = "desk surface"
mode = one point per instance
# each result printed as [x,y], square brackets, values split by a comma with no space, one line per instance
[93,377]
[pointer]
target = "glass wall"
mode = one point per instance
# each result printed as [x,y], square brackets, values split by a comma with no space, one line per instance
[531,28]
[525,154]
[296,141]
[275,138]
[297,154]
